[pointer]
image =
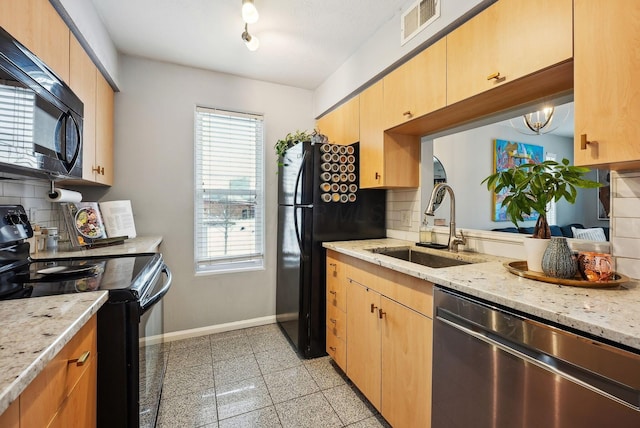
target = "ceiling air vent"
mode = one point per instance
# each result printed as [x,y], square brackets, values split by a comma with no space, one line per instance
[417,18]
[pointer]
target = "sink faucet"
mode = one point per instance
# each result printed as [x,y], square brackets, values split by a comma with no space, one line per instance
[454,239]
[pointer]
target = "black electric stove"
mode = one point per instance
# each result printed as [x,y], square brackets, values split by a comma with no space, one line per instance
[136,285]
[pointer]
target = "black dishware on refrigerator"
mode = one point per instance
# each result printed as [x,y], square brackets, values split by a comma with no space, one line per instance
[318,201]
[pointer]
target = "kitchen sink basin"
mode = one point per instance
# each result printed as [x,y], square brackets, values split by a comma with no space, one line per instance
[421,258]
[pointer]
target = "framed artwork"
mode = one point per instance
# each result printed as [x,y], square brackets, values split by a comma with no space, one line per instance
[507,154]
[604,194]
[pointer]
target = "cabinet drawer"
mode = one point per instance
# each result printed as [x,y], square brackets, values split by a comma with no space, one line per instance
[335,282]
[337,349]
[337,322]
[42,398]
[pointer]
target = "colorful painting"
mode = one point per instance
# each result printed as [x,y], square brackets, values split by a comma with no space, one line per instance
[507,154]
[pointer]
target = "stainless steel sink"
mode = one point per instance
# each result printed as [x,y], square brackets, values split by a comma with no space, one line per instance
[419,257]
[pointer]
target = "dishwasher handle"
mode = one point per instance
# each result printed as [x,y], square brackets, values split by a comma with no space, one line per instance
[606,387]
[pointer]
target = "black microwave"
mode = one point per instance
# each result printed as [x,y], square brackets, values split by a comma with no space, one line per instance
[40,117]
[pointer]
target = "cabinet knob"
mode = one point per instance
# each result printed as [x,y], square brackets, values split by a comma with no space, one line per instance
[373,308]
[98,169]
[407,114]
[333,348]
[495,76]
[584,142]
[378,176]
[334,266]
[381,313]
[333,321]
[81,359]
[332,292]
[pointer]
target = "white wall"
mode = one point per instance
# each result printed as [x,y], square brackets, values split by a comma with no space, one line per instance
[380,51]
[154,124]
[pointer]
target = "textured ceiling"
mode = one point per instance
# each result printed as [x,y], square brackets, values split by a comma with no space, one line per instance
[301,41]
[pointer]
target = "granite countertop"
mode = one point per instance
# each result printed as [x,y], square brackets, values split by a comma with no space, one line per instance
[610,313]
[137,245]
[34,331]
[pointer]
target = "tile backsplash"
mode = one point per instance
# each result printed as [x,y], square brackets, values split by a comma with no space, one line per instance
[31,194]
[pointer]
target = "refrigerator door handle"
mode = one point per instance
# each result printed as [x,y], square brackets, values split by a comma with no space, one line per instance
[295,225]
[295,189]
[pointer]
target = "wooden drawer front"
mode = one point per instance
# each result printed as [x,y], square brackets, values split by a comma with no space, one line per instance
[337,322]
[411,291]
[408,290]
[337,349]
[42,398]
[335,280]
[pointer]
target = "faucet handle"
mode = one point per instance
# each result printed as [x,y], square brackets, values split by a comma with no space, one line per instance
[462,237]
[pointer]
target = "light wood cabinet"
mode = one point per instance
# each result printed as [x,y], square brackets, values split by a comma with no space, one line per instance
[417,87]
[407,338]
[336,322]
[37,25]
[341,125]
[387,160]
[83,81]
[606,85]
[64,393]
[388,339]
[364,363]
[104,132]
[508,40]
[11,417]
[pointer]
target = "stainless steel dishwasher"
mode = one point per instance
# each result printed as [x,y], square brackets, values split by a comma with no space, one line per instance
[493,368]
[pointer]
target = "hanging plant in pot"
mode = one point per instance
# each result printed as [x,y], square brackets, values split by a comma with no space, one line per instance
[530,188]
[289,141]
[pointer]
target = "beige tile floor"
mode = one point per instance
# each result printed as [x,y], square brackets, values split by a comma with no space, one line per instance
[254,378]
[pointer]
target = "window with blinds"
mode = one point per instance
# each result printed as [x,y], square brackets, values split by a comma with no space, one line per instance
[229,181]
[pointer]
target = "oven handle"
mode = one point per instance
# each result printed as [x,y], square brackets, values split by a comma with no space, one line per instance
[160,294]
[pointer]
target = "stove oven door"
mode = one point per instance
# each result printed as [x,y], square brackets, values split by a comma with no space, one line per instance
[152,351]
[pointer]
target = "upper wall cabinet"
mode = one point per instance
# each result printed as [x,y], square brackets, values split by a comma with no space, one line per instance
[606,85]
[386,160]
[342,125]
[37,25]
[82,81]
[508,40]
[417,87]
[104,132]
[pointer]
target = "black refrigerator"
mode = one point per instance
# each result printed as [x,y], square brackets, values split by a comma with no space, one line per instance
[319,200]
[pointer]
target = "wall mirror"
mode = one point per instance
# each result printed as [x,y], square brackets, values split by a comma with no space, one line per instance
[468,154]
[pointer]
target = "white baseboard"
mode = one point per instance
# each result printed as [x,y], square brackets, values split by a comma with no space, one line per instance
[204,331]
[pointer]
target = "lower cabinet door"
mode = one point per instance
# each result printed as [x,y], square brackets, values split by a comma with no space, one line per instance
[407,338]
[363,340]
[79,409]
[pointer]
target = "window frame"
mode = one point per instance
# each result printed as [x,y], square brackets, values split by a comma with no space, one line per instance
[230,263]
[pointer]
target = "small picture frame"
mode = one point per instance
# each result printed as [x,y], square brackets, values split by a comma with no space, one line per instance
[604,194]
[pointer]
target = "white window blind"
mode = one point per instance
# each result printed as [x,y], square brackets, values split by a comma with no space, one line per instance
[229,200]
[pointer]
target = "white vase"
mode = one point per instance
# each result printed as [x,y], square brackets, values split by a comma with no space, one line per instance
[534,248]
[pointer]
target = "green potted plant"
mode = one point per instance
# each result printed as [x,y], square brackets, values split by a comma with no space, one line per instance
[531,187]
[291,140]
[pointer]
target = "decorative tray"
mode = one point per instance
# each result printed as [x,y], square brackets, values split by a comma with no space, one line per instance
[520,268]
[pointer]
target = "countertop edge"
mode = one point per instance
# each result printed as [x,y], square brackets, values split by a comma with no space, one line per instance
[598,312]
[20,383]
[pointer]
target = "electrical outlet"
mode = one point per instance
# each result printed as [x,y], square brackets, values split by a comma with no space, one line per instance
[32,215]
[405,218]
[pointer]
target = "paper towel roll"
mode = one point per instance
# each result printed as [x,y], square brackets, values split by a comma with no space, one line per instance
[62,195]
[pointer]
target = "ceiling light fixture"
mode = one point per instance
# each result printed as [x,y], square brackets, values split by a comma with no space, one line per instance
[249,12]
[536,123]
[252,42]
